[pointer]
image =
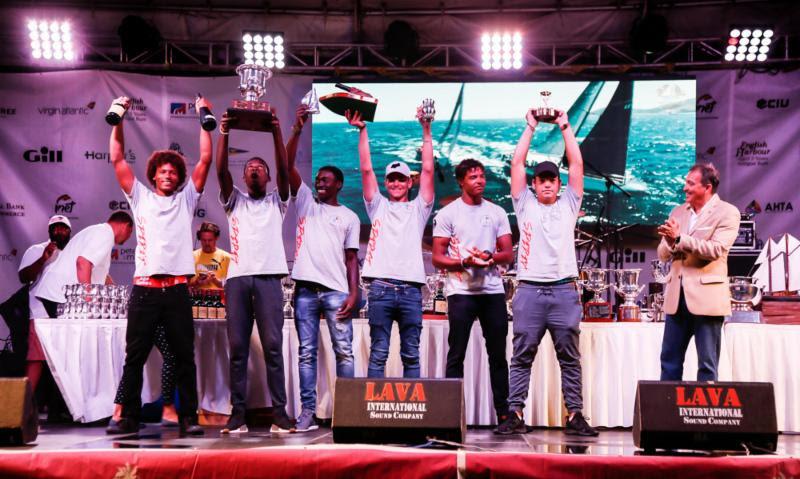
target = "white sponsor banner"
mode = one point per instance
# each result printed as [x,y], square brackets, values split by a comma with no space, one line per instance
[55,150]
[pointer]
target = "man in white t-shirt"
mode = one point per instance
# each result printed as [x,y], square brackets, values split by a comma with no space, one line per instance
[546,298]
[36,261]
[325,273]
[86,259]
[257,264]
[393,260]
[471,236]
[164,261]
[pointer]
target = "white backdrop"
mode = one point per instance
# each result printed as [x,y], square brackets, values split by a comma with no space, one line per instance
[747,124]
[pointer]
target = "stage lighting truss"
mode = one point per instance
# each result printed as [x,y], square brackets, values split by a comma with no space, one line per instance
[265,49]
[501,51]
[51,40]
[748,43]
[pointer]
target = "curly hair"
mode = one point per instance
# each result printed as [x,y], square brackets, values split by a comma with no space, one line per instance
[161,157]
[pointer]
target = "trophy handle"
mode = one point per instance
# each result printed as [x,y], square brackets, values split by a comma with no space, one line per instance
[757,298]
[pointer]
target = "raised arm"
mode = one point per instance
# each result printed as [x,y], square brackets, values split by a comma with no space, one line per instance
[369,183]
[223,173]
[574,158]
[426,188]
[200,173]
[519,180]
[301,116]
[116,148]
[281,161]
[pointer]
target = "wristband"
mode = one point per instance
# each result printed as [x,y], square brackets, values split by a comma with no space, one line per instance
[564,126]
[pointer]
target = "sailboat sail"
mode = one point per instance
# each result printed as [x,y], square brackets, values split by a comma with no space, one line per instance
[458,112]
[779,265]
[606,146]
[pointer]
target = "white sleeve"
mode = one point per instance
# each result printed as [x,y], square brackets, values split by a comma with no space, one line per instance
[97,246]
[303,199]
[283,205]
[442,225]
[521,202]
[229,205]
[375,205]
[423,211]
[503,225]
[190,195]
[353,230]
[136,193]
[30,256]
[572,199]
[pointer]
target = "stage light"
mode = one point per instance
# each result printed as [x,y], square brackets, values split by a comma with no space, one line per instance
[501,50]
[748,43]
[263,47]
[50,40]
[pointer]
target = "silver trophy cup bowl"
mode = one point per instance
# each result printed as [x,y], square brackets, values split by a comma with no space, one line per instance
[744,294]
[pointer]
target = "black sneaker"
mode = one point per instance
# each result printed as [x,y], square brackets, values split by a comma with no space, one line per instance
[123,426]
[189,427]
[512,425]
[281,423]
[577,426]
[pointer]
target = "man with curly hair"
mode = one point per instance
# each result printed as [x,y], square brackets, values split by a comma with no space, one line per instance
[164,262]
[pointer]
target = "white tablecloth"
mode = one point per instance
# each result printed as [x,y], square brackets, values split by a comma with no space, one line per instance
[86,357]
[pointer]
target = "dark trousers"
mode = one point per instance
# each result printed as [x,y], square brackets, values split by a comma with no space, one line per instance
[678,330]
[490,309]
[259,298]
[148,308]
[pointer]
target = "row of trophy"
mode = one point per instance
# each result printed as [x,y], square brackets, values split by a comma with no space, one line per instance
[626,285]
[94,301]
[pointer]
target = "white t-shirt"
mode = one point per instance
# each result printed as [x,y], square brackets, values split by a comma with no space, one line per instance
[31,255]
[256,233]
[323,233]
[470,226]
[163,230]
[394,250]
[93,243]
[546,250]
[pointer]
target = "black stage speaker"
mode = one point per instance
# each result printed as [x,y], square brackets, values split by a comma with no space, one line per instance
[19,423]
[721,416]
[395,411]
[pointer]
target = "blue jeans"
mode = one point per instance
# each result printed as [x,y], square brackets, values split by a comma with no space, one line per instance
[310,302]
[678,330]
[538,309]
[391,301]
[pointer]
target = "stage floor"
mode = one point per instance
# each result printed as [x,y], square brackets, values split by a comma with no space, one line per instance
[611,442]
[87,452]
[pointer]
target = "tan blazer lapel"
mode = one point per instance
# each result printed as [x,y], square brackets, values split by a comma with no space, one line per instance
[705,214]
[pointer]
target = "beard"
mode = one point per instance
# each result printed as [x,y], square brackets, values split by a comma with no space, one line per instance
[60,241]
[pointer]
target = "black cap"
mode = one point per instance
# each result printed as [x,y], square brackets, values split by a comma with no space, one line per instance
[546,167]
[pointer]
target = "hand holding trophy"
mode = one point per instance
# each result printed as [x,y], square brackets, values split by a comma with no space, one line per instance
[544,112]
[250,113]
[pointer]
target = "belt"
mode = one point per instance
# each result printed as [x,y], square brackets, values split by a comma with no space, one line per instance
[395,282]
[159,281]
[548,283]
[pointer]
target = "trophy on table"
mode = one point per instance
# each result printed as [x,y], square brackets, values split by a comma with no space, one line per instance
[287,286]
[656,300]
[544,112]
[363,313]
[596,309]
[510,283]
[250,113]
[628,287]
[744,295]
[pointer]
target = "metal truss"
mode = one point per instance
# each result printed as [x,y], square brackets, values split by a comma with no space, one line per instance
[434,60]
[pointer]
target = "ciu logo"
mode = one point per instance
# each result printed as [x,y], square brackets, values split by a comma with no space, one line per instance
[43,155]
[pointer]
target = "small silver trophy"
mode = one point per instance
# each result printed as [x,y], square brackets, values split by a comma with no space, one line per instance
[510,283]
[744,295]
[544,112]
[287,286]
[656,300]
[363,313]
[628,287]
[428,110]
[250,113]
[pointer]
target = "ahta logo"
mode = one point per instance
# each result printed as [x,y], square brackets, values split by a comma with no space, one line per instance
[64,204]
[706,104]
[779,207]
[753,208]
[43,155]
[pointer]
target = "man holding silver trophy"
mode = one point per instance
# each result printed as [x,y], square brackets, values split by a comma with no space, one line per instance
[393,260]
[546,298]
[697,237]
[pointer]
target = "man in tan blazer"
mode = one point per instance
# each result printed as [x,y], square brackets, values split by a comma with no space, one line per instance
[697,237]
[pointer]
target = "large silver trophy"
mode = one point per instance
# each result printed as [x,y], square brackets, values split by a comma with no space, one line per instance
[596,309]
[250,113]
[627,286]
[744,295]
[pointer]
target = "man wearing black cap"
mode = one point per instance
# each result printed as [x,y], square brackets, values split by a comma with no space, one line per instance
[547,297]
